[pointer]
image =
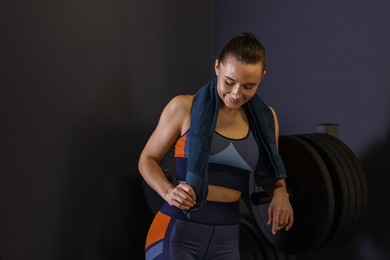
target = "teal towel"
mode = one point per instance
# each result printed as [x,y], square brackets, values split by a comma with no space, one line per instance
[204,114]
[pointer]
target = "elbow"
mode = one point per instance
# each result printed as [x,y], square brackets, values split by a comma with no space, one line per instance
[141,163]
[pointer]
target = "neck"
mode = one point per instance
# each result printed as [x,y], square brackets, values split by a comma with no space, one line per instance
[225,109]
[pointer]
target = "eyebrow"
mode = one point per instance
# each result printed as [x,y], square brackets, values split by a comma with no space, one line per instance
[245,84]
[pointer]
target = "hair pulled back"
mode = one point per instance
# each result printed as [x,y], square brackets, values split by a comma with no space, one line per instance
[245,48]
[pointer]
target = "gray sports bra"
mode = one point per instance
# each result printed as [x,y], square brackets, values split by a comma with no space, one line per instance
[230,160]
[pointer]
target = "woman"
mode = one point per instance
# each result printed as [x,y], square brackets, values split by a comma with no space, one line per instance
[221,135]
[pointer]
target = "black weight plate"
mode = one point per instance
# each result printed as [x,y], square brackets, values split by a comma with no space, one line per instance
[272,250]
[290,257]
[312,199]
[245,201]
[280,255]
[245,250]
[244,209]
[361,189]
[345,198]
[265,250]
[256,247]
[356,197]
[360,173]
[245,244]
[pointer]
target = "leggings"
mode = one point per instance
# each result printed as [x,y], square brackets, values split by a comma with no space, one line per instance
[172,236]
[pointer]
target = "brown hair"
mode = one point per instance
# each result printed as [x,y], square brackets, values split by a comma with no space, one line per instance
[245,48]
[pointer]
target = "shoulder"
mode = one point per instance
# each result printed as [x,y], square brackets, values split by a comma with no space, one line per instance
[276,122]
[184,101]
[180,104]
[274,114]
[177,113]
[178,109]
[272,110]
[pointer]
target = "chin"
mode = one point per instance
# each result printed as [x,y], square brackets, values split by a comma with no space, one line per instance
[233,106]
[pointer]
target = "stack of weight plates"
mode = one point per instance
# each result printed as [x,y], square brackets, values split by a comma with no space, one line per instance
[328,193]
[254,245]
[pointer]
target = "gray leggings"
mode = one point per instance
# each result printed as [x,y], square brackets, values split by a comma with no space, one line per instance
[212,232]
[200,241]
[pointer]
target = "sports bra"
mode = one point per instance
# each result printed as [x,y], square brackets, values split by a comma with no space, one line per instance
[230,160]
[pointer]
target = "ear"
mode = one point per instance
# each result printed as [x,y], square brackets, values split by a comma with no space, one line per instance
[216,67]
[262,77]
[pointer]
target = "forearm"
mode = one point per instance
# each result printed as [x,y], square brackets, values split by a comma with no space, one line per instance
[279,187]
[154,176]
[181,196]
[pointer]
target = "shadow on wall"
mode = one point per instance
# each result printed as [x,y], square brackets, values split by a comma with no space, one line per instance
[106,216]
[374,243]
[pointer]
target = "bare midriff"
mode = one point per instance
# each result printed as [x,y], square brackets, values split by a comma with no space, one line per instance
[222,194]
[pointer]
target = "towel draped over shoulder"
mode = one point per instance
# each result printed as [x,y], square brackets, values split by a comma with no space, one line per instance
[204,114]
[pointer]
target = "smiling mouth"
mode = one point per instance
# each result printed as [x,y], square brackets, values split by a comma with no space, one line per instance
[234,101]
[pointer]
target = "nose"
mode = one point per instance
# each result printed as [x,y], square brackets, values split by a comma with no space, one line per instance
[236,92]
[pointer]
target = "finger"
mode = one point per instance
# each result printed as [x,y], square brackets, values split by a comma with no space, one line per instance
[290,223]
[182,203]
[275,223]
[269,216]
[184,199]
[188,194]
[181,198]
[286,221]
[181,206]
[283,220]
[187,188]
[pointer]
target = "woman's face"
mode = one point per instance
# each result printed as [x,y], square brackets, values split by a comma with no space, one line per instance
[237,81]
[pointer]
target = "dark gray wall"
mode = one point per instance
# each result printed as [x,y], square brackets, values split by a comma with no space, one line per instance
[328,62]
[82,84]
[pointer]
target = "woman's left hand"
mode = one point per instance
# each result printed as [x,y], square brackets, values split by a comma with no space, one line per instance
[280,212]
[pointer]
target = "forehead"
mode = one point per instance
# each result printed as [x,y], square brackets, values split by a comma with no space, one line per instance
[240,71]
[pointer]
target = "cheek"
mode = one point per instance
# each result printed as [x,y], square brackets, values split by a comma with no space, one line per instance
[249,93]
[224,88]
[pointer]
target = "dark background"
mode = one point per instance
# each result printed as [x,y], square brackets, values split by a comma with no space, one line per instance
[82,84]
[328,62]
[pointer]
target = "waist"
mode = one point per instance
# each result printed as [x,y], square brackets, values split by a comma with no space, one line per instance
[222,194]
[213,212]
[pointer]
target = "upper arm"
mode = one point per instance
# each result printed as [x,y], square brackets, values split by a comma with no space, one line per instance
[276,126]
[168,128]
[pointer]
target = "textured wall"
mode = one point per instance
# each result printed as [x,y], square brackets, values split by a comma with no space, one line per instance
[82,86]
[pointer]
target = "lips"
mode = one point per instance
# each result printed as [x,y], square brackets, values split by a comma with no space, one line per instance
[234,101]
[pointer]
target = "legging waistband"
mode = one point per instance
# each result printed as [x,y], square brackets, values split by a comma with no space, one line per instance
[212,212]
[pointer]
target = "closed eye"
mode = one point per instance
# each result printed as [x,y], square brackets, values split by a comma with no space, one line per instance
[250,86]
[229,83]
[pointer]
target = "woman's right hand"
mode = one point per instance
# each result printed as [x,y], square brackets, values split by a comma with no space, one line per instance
[182,196]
